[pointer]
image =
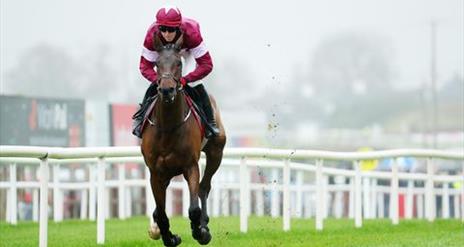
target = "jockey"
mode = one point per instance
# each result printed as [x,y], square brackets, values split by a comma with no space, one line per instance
[169,26]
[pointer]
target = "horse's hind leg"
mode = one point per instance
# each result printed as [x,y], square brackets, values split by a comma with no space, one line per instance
[159,187]
[200,233]
[213,160]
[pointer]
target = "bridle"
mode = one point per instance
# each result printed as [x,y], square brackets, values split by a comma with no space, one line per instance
[171,76]
[179,89]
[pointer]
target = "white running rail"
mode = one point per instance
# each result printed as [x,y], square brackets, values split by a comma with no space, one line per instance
[362,184]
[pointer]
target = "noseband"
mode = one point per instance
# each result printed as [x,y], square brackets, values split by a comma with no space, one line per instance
[170,76]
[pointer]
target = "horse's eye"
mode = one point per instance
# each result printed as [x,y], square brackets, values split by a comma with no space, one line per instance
[179,63]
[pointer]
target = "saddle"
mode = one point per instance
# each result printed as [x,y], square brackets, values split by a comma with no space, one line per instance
[193,108]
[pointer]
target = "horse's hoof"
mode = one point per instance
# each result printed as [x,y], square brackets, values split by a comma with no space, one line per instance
[202,236]
[173,240]
[154,232]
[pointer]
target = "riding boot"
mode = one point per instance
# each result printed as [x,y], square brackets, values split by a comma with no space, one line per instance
[211,128]
[140,114]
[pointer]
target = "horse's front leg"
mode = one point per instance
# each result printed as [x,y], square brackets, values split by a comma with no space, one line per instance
[159,187]
[199,231]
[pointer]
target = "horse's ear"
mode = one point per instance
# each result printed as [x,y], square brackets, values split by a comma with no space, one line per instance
[179,42]
[157,43]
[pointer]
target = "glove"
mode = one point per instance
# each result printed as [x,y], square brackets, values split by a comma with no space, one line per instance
[183,81]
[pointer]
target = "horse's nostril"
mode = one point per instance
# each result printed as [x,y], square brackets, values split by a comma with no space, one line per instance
[164,91]
[167,91]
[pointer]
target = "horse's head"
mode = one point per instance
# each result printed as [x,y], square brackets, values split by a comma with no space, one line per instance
[169,69]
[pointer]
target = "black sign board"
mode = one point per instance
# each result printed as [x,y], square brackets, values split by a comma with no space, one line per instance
[42,122]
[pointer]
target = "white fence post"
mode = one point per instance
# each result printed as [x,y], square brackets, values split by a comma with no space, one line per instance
[108,209]
[101,204]
[299,195]
[286,195]
[409,200]
[319,196]
[92,192]
[366,184]
[43,222]
[129,199]
[326,196]
[445,201]
[250,209]
[8,206]
[338,198]
[457,214]
[430,211]
[351,198]
[462,193]
[357,195]
[420,206]
[381,204]
[259,202]
[13,196]
[121,191]
[84,204]
[374,194]
[461,196]
[57,197]
[275,207]
[244,195]
[394,194]
[35,205]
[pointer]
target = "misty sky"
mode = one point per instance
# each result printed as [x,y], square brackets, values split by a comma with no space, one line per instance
[270,37]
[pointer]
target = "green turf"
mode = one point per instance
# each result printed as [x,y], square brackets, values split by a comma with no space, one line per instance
[263,231]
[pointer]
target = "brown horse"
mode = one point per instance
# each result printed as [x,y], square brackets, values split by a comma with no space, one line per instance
[171,145]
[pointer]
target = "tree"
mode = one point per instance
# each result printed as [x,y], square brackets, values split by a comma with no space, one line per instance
[101,79]
[46,71]
[49,71]
[231,83]
[351,63]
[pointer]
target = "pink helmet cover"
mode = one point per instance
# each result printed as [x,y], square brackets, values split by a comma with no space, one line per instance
[169,16]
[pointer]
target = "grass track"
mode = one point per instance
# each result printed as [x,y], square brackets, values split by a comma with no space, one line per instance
[263,231]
